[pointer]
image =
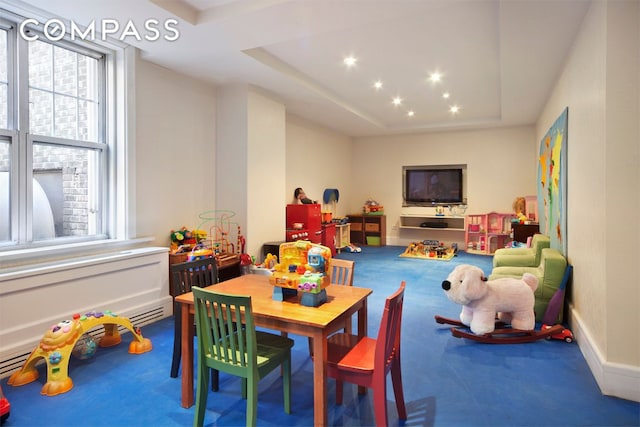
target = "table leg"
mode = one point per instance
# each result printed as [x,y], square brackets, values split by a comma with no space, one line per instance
[187,357]
[320,378]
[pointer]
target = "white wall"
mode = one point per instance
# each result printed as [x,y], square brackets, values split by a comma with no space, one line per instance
[175,145]
[600,85]
[251,162]
[266,160]
[318,158]
[500,167]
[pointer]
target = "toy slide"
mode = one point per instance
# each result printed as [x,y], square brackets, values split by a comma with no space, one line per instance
[58,343]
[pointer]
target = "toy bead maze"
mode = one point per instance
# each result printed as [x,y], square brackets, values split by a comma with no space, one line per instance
[430,249]
[57,344]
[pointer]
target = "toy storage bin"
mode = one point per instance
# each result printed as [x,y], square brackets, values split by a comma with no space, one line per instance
[373,240]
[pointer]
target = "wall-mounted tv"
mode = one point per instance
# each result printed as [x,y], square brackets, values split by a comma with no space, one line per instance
[434,185]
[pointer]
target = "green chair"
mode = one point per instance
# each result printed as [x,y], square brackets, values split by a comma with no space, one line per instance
[550,272]
[246,353]
[522,257]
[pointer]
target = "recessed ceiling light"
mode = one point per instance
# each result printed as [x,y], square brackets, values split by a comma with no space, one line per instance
[435,77]
[377,85]
[410,113]
[350,61]
[454,109]
[446,95]
[397,101]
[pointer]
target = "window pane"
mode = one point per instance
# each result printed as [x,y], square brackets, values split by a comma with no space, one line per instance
[40,112]
[40,65]
[66,116]
[87,119]
[65,76]
[5,203]
[65,191]
[73,80]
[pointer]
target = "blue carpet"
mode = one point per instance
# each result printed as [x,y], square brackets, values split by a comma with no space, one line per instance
[447,381]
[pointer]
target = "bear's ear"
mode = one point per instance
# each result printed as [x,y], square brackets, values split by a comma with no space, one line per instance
[474,287]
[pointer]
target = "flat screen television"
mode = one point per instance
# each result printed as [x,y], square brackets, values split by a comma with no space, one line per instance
[434,185]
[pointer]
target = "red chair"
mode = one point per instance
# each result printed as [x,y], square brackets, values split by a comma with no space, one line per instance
[368,361]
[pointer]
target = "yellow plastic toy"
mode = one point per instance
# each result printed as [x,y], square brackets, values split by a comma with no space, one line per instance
[303,267]
[58,342]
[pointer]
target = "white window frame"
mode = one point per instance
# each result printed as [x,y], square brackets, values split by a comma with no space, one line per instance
[119,137]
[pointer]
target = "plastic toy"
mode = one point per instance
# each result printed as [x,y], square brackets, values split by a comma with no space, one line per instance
[58,342]
[85,348]
[564,335]
[5,407]
[431,249]
[303,267]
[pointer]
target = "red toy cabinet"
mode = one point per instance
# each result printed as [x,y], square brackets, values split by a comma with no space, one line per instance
[329,237]
[304,222]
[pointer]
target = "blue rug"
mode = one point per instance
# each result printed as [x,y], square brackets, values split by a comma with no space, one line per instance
[447,381]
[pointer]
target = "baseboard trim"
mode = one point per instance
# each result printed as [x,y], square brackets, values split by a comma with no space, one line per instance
[614,379]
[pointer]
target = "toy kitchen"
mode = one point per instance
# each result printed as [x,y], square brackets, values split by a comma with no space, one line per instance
[305,222]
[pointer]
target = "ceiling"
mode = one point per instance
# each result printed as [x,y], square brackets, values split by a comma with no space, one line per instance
[498,59]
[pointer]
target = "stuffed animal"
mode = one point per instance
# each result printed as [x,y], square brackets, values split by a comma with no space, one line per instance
[511,299]
[520,208]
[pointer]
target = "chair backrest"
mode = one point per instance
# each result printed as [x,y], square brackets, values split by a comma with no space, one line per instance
[342,271]
[201,272]
[388,340]
[538,243]
[216,315]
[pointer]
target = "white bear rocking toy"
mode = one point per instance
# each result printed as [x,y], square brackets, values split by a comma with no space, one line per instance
[512,300]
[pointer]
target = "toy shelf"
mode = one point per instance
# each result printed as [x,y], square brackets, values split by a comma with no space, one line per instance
[445,228]
[432,222]
[484,233]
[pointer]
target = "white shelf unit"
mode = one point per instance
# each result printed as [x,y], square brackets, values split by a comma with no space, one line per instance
[434,222]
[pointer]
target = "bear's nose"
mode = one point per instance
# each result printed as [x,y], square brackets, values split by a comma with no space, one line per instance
[446,285]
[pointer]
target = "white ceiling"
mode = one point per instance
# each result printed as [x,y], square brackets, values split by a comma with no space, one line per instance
[499,58]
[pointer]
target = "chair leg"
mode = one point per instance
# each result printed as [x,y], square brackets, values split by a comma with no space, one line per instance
[202,390]
[287,383]
[177,351]
[252,401]
[244,388]
[215,379]
[380,400]
[396,379]
[339,390]
[310,340]
[348,327]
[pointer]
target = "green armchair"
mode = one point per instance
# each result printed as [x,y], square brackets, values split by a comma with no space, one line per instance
[549,272]
[522,257]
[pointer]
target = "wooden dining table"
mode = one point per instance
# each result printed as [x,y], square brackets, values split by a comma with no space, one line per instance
[286,316]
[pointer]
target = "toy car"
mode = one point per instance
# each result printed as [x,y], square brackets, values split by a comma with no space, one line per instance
[565,334]
[5,407]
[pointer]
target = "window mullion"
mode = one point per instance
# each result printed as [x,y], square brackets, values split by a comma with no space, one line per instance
[22,172]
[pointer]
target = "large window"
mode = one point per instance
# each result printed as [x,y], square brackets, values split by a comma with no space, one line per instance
[54,147]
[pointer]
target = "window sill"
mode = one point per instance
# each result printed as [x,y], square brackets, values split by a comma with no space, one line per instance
[20,258]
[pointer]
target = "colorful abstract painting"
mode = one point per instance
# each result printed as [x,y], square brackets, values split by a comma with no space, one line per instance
[552,183]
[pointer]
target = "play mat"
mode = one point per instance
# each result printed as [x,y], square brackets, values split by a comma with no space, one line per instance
[430,249]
